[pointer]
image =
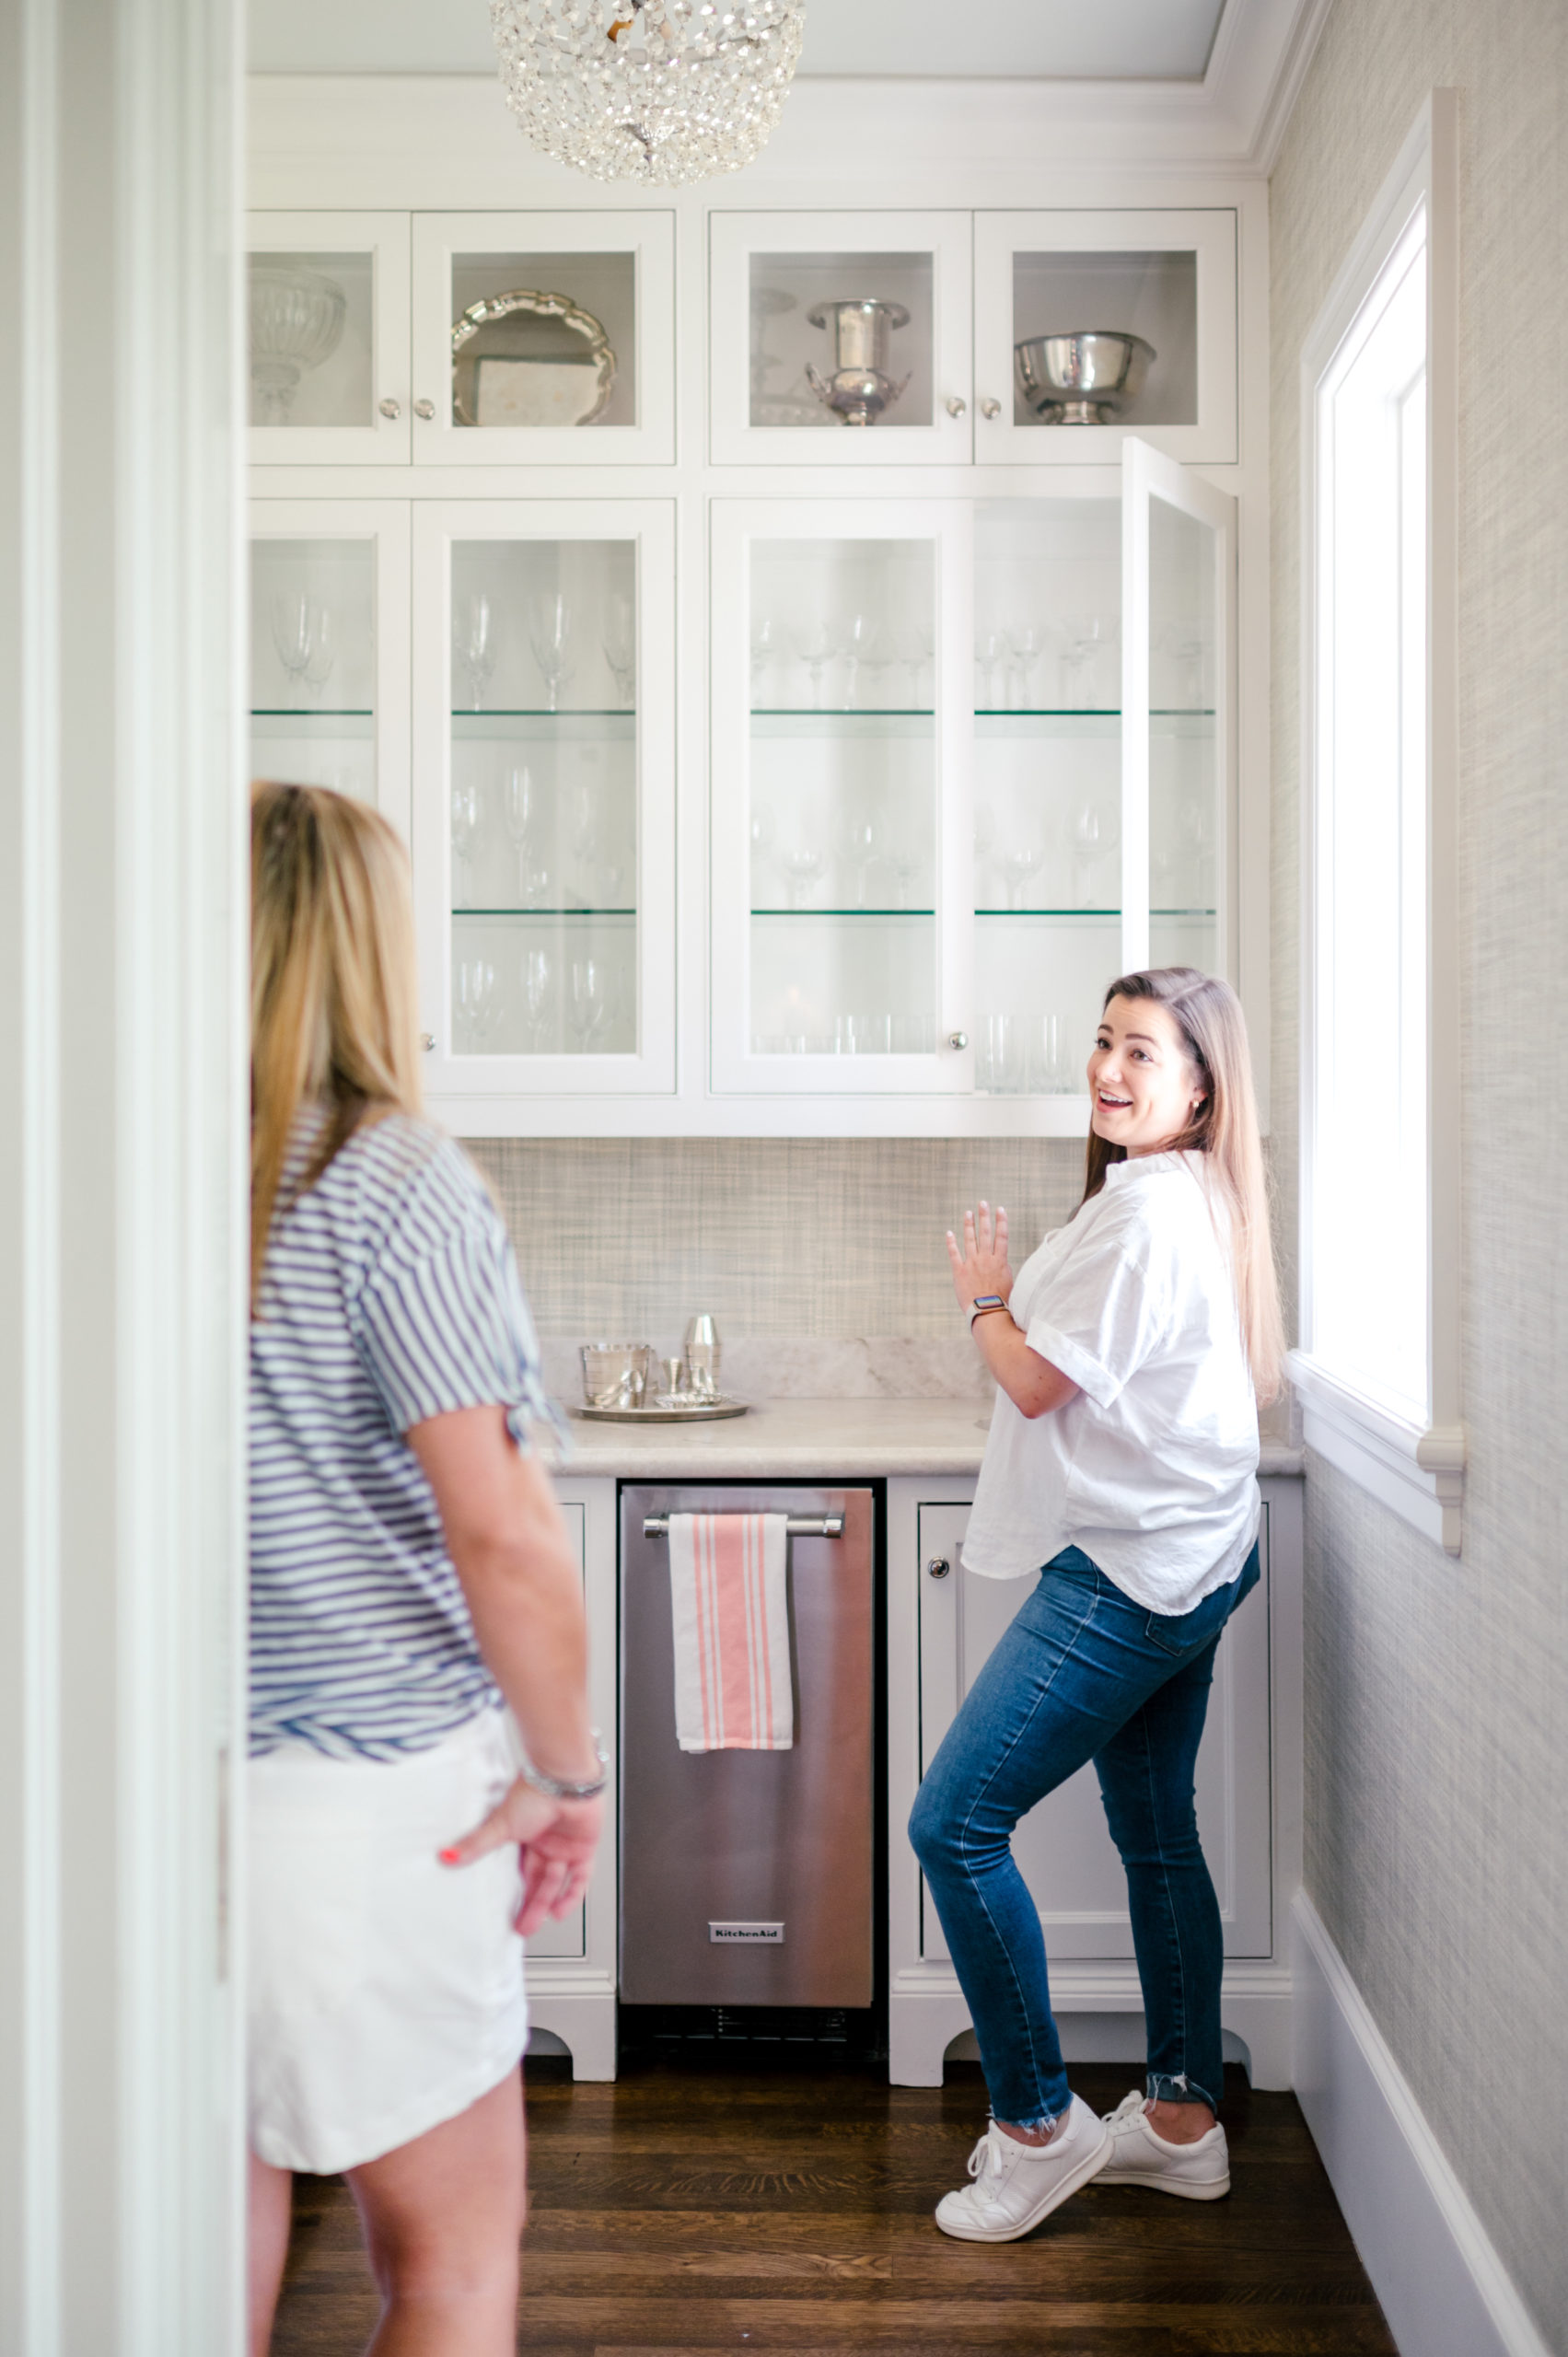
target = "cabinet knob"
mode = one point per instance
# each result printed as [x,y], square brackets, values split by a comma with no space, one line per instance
[956,404]
[990,408]
[957,1039]
[428,1042]
[938,1568]
[389,408]
[425,409]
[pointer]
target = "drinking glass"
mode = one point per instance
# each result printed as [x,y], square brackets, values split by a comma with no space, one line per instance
[1019,862]
[620,648]
[477,1004]
[763,837]
[538,980]
[915,646]
[323,653]
[855,642]
[903,862]
[802,865]
[764,647]
[473,641]
[468,813]
[1026,645]
[296,619]
[550,636]
[996,1059]
[588,1005]
[1086,837]
[861,841]
[1083,637]
[814,644]
[522,809]
[586,838]
[990,654]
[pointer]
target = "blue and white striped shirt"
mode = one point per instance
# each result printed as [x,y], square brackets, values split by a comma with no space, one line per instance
[389,1293]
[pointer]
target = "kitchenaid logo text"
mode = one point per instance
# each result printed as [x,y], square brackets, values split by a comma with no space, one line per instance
[767,1935]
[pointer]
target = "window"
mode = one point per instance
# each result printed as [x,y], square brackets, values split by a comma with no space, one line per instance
[1378,1369]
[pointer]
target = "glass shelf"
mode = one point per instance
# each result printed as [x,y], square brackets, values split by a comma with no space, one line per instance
[309,712]
[531,711]
[842,912]
[1079,911]
[841,711]
[552,914]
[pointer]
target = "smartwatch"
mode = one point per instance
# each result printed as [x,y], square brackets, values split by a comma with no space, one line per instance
[983,1302]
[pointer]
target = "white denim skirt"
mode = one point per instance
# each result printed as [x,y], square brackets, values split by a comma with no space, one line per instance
[386,1989]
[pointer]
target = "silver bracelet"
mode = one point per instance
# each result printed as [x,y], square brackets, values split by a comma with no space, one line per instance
[557,1788]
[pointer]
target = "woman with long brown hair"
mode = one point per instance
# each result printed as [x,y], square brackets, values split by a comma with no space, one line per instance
[410,1574]
[1129,1351]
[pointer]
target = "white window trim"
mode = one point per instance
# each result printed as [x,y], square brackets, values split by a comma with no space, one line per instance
[1417,1471]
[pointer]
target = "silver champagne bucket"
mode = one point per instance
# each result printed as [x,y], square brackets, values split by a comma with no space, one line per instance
[861,386]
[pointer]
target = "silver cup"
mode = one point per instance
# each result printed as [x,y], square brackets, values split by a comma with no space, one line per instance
[704,1355]
[860,388]
[615,1375]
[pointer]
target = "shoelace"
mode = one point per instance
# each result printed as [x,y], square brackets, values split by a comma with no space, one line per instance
[1124,2110]
[984,2158]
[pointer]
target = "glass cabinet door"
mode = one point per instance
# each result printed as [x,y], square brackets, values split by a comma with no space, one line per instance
[327,338]
[1047,766]
[839,831]
[1092,325]
[543,839]
[1178,870]
[329,647]
[545,338]
[840,339]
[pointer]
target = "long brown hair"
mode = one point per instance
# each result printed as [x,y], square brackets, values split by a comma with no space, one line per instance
[1208,1017]
[333,992]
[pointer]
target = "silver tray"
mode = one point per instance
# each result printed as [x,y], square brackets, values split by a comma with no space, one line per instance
[706,1411]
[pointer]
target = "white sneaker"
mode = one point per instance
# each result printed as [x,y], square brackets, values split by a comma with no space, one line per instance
[1198,2172]
[1017,2184]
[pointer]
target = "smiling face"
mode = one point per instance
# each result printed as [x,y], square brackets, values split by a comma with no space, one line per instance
[1144,1088]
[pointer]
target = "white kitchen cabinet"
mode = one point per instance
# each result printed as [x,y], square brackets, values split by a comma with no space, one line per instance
[544,339]
[972,758]
[1164,276]
[840,339]
[330,647]
[570,1966]
[543,809]
[943,1621]
[328,339]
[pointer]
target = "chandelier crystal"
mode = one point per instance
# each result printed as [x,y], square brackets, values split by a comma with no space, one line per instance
[659,91]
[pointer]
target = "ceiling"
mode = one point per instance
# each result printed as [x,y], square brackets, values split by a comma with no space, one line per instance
[1156,40]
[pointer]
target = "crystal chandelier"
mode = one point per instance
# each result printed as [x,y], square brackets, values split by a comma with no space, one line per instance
[661,91]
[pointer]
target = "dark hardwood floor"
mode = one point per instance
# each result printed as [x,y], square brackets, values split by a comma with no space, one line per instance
[683,2209]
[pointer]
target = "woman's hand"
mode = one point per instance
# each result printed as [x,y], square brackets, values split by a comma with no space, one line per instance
[557,1841]
[981,1266]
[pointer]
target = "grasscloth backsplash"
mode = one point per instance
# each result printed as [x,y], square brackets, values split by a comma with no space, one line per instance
[808,1237]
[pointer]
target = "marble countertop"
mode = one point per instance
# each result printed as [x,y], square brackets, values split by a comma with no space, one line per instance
[829,1440]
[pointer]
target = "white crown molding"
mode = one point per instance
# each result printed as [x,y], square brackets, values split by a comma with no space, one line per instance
[318,139]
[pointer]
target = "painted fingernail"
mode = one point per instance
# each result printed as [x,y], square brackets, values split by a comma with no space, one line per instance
[448,1857]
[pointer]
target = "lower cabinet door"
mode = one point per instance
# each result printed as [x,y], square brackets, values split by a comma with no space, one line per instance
[1063,1848]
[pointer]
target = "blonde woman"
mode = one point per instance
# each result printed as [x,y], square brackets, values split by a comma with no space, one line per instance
[409,1573]
[1129,1354]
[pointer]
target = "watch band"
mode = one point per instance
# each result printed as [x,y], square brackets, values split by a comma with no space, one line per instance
[982,1306]
[557,1788]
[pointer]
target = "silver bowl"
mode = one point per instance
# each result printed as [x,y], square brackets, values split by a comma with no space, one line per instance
[1083,377]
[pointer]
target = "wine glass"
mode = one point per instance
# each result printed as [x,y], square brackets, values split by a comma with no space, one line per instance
[538,979]
[473,641]
[854,642]
[802,865]
[915,646]
[620,648]
[550,636]
[1087,838]
[467,814]
[1019,862]
[990,655]
[586,843]
[903,861]
[814,644]
[764,647]
[478,1003]
[588,1005]
[296,620]
[323,653]
[522,809]
[1026,645]
[1083,636]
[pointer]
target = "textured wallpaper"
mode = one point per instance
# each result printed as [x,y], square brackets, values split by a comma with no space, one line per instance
[1437,1691]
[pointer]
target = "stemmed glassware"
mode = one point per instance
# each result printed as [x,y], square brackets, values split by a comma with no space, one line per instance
[1019,862]
[1082,639]
[814,644]
[538,980]
[478,1002]
[522,816]
[473,641]
[903,862]
[621,649]
[468,816]
[764,647]
[588,1005]
[991,656]
[762,838]
[855,640]
[860,840]
[1086,836]
[1026,645]
[915,647]
[802,865]
[550,636]
[299,622]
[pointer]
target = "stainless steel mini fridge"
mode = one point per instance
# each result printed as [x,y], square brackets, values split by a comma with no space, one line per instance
[746,1876]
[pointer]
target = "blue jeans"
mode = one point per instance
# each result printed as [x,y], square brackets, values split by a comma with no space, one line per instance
[1082,1673]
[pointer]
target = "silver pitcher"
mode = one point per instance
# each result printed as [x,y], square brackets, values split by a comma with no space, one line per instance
[860,388]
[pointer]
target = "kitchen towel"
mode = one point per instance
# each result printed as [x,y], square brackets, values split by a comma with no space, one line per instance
[728,1590]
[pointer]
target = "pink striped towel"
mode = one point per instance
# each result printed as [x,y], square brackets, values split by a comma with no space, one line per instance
[729,1575]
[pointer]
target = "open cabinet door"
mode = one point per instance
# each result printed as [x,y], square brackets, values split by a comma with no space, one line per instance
[1179,817]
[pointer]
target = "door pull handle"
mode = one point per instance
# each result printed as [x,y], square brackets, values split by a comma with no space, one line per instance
[817,1526]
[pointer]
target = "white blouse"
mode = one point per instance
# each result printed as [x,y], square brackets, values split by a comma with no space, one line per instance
[1152,1469]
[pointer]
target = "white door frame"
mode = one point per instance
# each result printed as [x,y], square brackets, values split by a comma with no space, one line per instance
[123,1178]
